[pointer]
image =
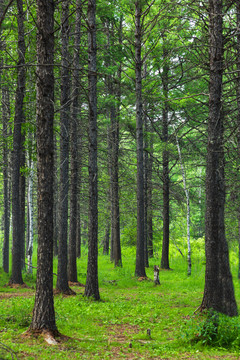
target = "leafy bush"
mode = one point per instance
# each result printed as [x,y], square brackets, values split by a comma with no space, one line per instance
[212,329]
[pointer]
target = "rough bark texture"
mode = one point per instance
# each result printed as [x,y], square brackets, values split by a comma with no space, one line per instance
[43,312]
[114,116]
[218,290]
[72,250]
[140,261]
[165,243]
[238,113]
[149,200]
[6,117]
[91,288]
[16,277]
[62,279]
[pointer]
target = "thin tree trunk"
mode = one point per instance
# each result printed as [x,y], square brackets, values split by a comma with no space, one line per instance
[140,260]
[149,200]
[43,312]
[62,279]
[91,289]
[188,207]
[218,290]
[30,215]
[6,117]
[72,251]
[165,243]
[16,277]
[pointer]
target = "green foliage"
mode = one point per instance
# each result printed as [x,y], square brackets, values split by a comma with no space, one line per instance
[212,329]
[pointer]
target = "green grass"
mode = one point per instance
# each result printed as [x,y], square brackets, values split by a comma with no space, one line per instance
[116,327]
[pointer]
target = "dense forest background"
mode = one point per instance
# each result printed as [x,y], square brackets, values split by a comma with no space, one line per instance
[152,73]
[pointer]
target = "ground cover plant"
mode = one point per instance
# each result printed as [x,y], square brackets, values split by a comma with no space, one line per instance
[134,319]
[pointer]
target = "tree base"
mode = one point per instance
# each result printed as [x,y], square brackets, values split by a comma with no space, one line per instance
[52,337]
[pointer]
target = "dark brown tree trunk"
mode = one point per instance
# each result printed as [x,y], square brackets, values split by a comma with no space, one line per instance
[91,289]
[72,251]
[6,117]
[22,194]
[165,243]
[218,290]
[114,116]
[62,279]
[56,199]
[43,312]
[149,200]
[140,260]
[238,114]
[17,249]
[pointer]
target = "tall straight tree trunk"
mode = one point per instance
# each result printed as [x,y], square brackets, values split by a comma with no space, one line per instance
[238,113]
[62,279]
[165,243]
[29,251]
[6,167]
[218,290]
[43,312]
[140,260]
[145,167]
[114,115]
[189,261]
[92,288]
[149,200]
[72,251]
[22,194]
[16,277]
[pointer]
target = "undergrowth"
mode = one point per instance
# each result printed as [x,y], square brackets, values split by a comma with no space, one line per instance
[133,320]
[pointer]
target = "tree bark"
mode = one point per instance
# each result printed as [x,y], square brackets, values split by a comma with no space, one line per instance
[91,289]
[16,277]
[238,114]
[62,279]
[72,251]
[6,167]
[218,290]
[43,312]
[165,243]
[140,259]
[149,200]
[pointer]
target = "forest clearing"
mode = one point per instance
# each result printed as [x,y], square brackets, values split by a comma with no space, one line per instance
[116,327]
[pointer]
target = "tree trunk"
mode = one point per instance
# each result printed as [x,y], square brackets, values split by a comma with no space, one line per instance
[238,114]
[43,312]
[72,251]
[6,117]
[140,259]
[218,290]
[62,279]
[16,277]
[91,288]
[149,200]
[188,208]
[30,215]
[145,172]
[165,243]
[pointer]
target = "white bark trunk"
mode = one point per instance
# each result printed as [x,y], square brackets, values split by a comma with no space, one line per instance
[188,208]
[30,212]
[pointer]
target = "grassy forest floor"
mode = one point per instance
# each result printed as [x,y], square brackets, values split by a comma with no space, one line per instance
[117,326]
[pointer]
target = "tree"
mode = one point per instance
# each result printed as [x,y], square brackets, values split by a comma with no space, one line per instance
[6,171]
[218,290]
[91,288]
[140,261]
[17,246]
[165,83]
[72,250]
[43,312]
[62,280]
